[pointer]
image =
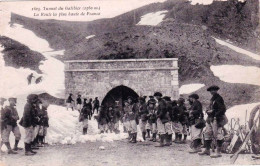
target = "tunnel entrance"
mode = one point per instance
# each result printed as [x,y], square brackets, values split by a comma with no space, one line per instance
[118,94]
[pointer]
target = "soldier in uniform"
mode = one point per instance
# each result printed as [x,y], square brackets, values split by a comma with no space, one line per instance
[44,122]
[10,118]
[152,118]
[176,124]
[84,116]
[183,119]
[103,119]
[142,115]
[163,120]
[27,122]
[216,113]
[169,109]
[79,103]
[96,104]
[126,122]
[131,113]
[69,102]
[195,112]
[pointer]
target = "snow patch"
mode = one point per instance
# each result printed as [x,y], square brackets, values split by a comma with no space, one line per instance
[237,49]
[239,111]
[152,19]
[207,2]
[88,37]
[237,74]
[53,69]
[189,88]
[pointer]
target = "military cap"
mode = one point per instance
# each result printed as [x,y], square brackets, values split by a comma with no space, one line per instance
[2,99]
[151,97]
[152,101]
[174,103]
[181,100]
[213,87]
[194,95]
[158,94]
[12,99]
[167,98]
[32,97]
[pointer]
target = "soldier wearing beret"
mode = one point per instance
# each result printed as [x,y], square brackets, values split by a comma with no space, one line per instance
[27,122]
[142,115]
[10,118]
[152,118]
[216,116]
[184,114]
[131,111]
[176,125]
[195,113]
[163,120]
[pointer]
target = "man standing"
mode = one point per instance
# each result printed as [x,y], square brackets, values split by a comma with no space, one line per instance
[216,120]
[142,115]
[194,115]
[152,118]
[10,118]
[84,116]
[183,119]
[69,102]
[79,103]
[28,122]
[131,114]
[44,122]
[96,105]
[163,120]
[176,125]
[29,78]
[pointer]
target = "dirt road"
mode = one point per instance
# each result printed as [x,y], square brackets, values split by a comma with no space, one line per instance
[117,153]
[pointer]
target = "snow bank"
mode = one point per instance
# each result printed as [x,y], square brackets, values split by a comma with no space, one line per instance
[239,50]
[53,69]
[239,111]
[206,2]
[189,88]
[66,129]
[152,19]
[237,74]
[90,36]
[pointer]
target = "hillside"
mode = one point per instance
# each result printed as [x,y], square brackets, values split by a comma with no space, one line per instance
[185,33]
[231,20]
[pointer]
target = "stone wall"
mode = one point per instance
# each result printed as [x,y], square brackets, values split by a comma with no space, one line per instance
[95,78]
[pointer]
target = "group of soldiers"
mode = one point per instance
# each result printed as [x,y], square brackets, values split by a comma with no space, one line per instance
[35,122]
[163,117]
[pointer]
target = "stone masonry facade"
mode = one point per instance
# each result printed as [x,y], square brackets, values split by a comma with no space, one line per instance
[95,78]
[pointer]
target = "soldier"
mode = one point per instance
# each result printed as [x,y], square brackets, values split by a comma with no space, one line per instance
[195,114]
[36,123]
[183,119]
[142,112]
[10,118]
[131,115]
[85,115]
[176,125]
[27,123]
[115,119]
[216,119]
[163,120]
[44,122]
[152,118]
[96,104]
[169,109]
[126,121]
[69,102]
[79,103]
[29,78]
[102,119]
[2,101]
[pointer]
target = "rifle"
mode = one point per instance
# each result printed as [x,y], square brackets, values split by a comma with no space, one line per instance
[242,147]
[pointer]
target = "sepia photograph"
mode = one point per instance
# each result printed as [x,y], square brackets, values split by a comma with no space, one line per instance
[130,83]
